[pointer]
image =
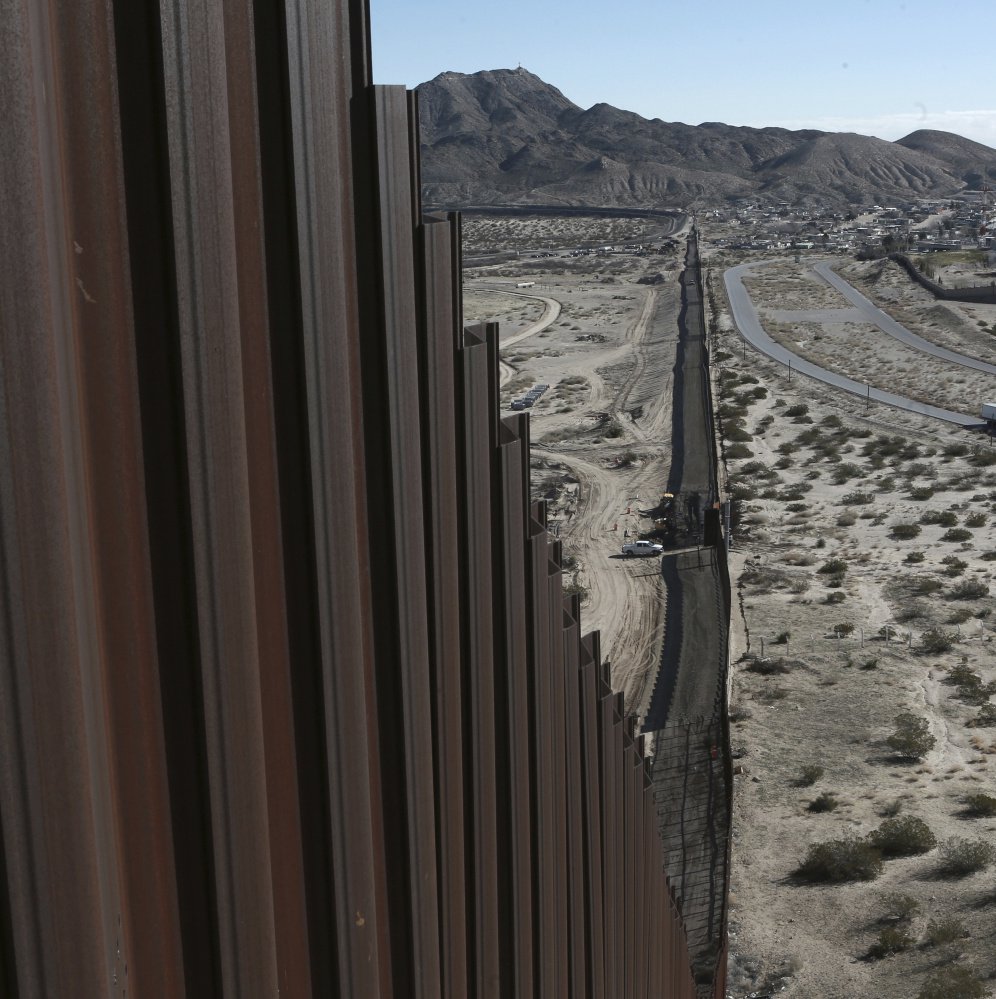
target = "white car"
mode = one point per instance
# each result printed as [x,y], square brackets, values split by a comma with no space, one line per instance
[642,548]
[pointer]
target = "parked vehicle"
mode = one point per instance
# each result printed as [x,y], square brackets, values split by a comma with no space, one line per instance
[642,548]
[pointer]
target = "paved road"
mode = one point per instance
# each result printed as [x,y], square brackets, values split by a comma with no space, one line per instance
[871,313]
[747,320]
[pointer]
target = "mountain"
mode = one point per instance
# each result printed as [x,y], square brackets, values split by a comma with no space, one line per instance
[505,137]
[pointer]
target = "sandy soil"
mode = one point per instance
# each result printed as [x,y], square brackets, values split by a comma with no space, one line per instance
[814,681]
[601,433]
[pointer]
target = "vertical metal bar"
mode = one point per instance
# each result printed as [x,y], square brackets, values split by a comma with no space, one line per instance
[441,315]
[542,749]
[478,656]
[330,157]
[574,852]
[397,557]
[512,697]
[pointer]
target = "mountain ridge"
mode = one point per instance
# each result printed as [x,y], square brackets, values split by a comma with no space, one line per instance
[506,136]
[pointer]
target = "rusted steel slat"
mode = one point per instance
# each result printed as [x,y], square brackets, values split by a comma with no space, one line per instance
[88,844]
[397,560]
[52,828]
[478,655]
[571,694]
[610,776]
[592,819]
[328,132]
[542,750]
[441,316]
[558,723]
[283,816]
[513,697]
[642,871]
[210,292]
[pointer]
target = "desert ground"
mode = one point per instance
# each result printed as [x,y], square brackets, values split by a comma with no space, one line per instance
[863,551]
[601,432]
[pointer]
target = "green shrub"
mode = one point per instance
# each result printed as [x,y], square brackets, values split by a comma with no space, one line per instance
[800,409]
[968,589]
[911,739]
[900,907]
[735,451]
[914,557]
[926,584]
[956,534]
[833,566]
[959,616]
[944,931]
[782,638]
[953,566]
[840,860]
[843,629]
[945,518]
[921,493]
[960,857]
[835,598]
[845,471]
[977,519]
[809,775]
[986,718]
[955,450]
[980,806]
[983,459]
[903,532]
[825,802]
[857,499]
[731,432]
[892,940]
[953,982]
[934,641]
[905,836]
[768,667]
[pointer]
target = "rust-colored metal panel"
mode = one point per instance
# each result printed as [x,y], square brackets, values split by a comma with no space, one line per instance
[512,697]
[610,778]
[82,786]
[328,143]
[397,560]
[542,752]
[592,817]
[574,848]
[440,242]
[478,656]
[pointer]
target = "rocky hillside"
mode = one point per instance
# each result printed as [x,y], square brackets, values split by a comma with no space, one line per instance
[507,137]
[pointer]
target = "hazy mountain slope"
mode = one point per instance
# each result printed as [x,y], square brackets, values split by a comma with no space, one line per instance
[969,160]
[506,136]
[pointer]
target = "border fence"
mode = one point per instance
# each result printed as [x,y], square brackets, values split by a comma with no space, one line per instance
[291,699]
[966,293]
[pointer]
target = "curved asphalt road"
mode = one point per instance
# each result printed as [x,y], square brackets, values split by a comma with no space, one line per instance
[747,320]
[873,314]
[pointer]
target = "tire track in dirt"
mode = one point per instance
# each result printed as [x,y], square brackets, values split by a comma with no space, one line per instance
[626,595]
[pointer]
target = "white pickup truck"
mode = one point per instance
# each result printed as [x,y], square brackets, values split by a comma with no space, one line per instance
[642,548]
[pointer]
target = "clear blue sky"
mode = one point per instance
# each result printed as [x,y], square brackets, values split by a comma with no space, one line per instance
[879,67]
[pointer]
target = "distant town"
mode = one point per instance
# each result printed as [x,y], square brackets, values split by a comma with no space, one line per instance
[919,226]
